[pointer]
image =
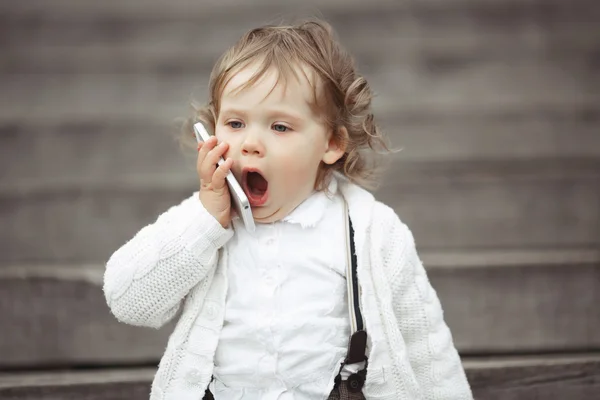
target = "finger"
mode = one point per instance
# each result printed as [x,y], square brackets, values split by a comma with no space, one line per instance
[219,177]
[206,169]
[210,161]
[204,148]
[215,154]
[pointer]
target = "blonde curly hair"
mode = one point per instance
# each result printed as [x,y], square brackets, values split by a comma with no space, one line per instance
[341,96]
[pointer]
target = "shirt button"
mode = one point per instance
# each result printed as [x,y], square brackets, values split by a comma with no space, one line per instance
[270,241]
[211,311]
[194,376]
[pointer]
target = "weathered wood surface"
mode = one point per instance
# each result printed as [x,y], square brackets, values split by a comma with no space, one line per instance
[132,8]
[524,301]
[113,384]
[191,43]
[464,57]
[527,378]
[95,153]
[59,317]
[90,92]
[447,205]
[494,302]
[515,378]
[492,88]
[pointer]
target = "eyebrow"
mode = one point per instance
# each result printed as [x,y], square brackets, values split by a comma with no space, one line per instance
[235,111]
[285,114]
[271,113]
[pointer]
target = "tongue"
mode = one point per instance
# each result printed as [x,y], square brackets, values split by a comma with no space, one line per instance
[257,183]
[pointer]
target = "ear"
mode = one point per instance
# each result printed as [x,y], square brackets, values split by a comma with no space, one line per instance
[335,146]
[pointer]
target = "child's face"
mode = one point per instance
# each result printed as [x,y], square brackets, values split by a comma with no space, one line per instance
[272,129]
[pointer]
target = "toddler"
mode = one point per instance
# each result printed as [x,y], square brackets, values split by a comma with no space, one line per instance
[327,298]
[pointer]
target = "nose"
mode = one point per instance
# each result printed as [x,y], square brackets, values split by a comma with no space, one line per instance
[252,145]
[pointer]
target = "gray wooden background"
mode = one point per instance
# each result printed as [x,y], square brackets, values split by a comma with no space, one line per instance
[496,104]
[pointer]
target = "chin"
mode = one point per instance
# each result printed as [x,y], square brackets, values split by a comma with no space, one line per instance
[265,215]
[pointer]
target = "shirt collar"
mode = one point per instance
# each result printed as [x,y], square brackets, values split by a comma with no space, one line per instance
[311,210]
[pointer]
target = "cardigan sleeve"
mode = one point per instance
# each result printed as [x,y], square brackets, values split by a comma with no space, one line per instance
[430,348]
[146,279]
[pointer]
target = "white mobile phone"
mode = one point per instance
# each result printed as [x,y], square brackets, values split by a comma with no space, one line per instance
[239,198]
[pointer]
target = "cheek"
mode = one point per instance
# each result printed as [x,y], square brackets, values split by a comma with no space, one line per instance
[298,168]
[227,137]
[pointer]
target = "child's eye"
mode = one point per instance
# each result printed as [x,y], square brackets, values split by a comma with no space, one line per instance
[235,124]
[280,128]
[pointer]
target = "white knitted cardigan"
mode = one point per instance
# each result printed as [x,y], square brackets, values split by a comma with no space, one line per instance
[181,259]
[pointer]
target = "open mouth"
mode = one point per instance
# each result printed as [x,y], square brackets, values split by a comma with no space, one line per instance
[256,187]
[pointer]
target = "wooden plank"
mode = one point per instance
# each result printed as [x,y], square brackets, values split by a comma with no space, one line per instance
[448,37]
[495,302]
[114,384]
[58,317]
[524,378]
[30,379]
[134,8]
[448,205]
[78,225]
[487,211]
[495,87]
[91,154]
[120,153]
[544,298]
[433,53]
[505,20]
[439,52]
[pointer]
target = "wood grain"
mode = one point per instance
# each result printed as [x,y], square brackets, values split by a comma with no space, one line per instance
[100,153]
[526,308]
[56,318]
[501,302]
[487,88]
[132,8]
[524,378]
[61,36]
[510,204]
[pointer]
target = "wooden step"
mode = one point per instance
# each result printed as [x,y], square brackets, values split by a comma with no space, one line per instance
[494,87]
[72,39]
[448,205]
[518,301]
[128,64]
[119,153]
[560,377]
[95,384]
[573,377]
[182,8]
[489,205]
[57,316]
[439,52]
[495,302]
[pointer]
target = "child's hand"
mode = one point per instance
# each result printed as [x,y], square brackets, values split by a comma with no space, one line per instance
[214,193]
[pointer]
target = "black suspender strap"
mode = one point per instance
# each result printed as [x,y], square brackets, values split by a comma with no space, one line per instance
[357,347]
[356,290]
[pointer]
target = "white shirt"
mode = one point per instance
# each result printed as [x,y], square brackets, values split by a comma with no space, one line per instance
[286,325]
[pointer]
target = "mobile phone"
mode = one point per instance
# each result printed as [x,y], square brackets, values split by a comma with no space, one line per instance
[238,197]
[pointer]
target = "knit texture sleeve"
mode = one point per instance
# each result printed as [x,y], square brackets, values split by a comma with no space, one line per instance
[146,279]
[430,348]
